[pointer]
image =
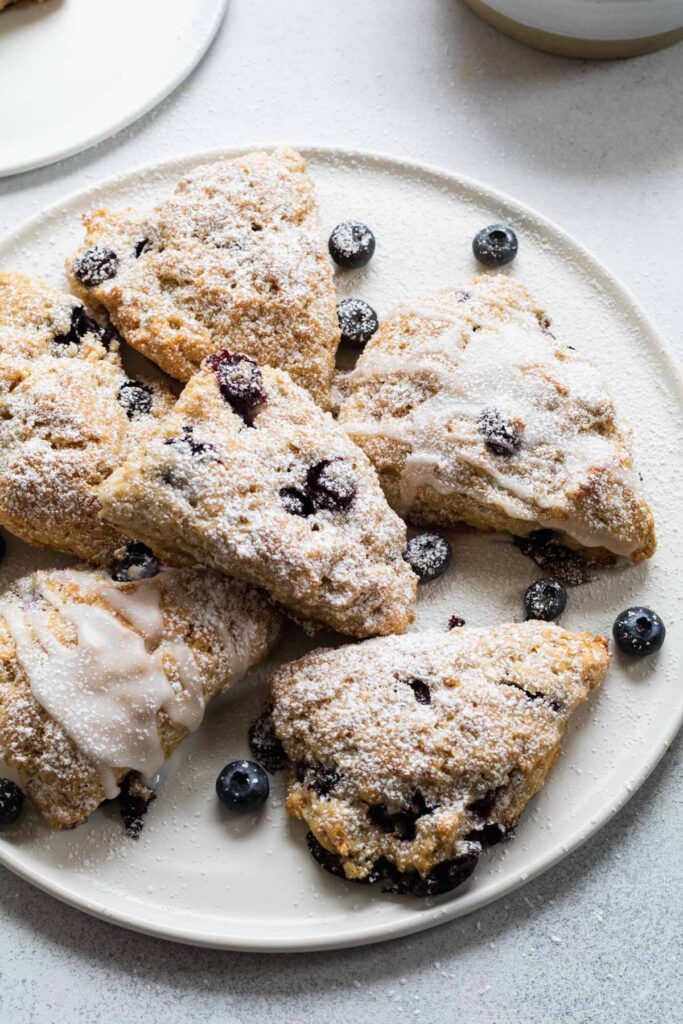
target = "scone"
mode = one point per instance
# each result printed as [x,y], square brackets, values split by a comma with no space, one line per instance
[68,416]
[99,678]
[410,755]
[248,476]
[472,411]
[233,257]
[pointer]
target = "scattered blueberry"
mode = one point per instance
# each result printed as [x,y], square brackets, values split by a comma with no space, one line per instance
[638,631]
[455,622]
[96,266]
[243,787]
[296,502]
[357,322]
[264,742]
[428,555]
[141,246]
[240,382]
[135,398]
[11,802]
[545,599]
[495,245]
[500,437]
[351,244]
[138,563]
[187,445]
[331,484]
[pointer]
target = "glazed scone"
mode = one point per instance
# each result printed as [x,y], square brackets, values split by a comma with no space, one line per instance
[409,755]
[233,257]
[248,476]
[68,416]
[472,411]
[99,678]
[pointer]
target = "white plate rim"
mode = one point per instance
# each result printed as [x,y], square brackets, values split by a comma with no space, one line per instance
[468,902]
[136,113]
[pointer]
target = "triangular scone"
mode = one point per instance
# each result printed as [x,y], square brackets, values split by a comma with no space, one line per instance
[235,256]
[68,416]
[249,476]
[410,755]
[99,678]
[471,410]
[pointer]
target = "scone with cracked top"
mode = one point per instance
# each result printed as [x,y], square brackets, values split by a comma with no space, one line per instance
[410,755]
[247,475]
[472,411]
[233,257]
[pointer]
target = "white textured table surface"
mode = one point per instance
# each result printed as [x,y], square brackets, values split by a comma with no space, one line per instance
[598,148]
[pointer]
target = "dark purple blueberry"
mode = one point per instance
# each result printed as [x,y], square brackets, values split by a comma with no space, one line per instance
[141,246]
[500,437]
[357,322]
[351,244]
[495,245]
[544,548]
[138,563]
[489,835]
[240,383]
[296,502]
[545,599]
[81,324]
[484,805]
[134,800]
[428,555]
[325,858]
[324,779]
[137,399]
[423,695]
[186,444]
[243,787]
[264,743]
[638,631]
[331,484]
[455,622]
[96,265]
[400,823]
[11,802]
[443,878]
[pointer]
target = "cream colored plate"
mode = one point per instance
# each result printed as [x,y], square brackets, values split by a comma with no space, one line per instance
[197,875]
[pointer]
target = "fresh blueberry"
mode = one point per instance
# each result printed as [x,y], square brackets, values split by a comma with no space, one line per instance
[96,266]
[357,322]
[638,631]
[296,502]
[137,399]
[138,563]
[545,599]
[500,437]
[11,802]
[428,555]
[240,383]
[351,244]
[495,245]
[243,787]
[331,484]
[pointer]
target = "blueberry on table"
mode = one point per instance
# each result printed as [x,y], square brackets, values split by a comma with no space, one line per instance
[11,802]
[495,245]
[638,631]
[545,599]
[428,555]
[357,322]
[138,563]
[243,787]
[96,266]
[351,244]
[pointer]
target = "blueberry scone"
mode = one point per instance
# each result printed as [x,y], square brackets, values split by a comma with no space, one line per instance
[233,257]
[68,416]
[472,411]
[410,755]
[247,475]
[99,678]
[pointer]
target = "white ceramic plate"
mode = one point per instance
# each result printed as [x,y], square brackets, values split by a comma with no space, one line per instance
[73,72]
[197,875]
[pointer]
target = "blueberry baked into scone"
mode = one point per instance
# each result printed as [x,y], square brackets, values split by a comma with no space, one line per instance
[410,755]
[249,476]
[233,257]
[99,678]
[473,411]
[68,416]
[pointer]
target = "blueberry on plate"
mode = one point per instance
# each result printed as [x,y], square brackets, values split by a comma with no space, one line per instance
[357,322]
[638,631]
[545,599]
[96,266]
[428,555]
[138,563]
[11,802]
[495,245]
[243,787]
[351,244]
